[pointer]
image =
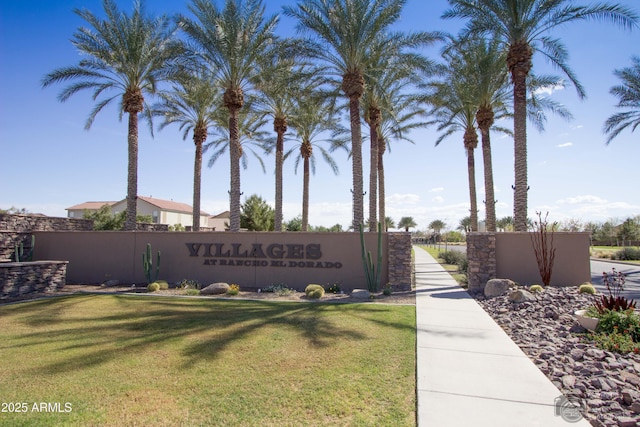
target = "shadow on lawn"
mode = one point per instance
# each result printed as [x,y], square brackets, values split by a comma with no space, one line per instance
[98,329]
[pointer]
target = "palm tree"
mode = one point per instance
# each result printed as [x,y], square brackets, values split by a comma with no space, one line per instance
[403,114]
[486,60]
[388,85]
[454,109]
[251,135]
[346,32]
[524,27]
[231,43]
[437,225]
[279,84]
[406,222]
[312,118]
[628,94]
[126,55]
[192,103]
[389,223]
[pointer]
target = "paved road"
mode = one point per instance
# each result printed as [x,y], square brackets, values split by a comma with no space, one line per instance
[632,279]
[631,271]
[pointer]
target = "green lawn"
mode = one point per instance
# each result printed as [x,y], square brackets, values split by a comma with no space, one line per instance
[155,361]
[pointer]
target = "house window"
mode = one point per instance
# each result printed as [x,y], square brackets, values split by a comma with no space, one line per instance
[156,220]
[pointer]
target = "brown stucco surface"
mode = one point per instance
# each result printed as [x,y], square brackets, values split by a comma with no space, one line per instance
[296,260]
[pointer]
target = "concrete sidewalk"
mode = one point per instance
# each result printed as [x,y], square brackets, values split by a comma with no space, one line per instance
[469,372]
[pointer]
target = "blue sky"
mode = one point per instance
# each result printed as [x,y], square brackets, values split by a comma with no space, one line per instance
[49,162]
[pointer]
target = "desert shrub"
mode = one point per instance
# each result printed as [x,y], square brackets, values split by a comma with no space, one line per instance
[191,291]
[463,265]
[587,288]
[627,254]
[451,257]
[279,289]
[615,342]
[387,289]
[314,291]
[334,289]
[153,287]
[188,284]
[536,288]
[624,322]
[233,290]
[163,284]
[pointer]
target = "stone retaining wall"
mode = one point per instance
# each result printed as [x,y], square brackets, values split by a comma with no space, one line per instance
[400,263]
[36,276]
[481,254]
[28,223]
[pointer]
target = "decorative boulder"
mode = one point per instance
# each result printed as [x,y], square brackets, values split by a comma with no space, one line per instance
[497,287]
[361,294]
[520,295]
[215,289]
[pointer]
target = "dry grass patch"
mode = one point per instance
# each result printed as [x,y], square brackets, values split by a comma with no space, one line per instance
[132,360]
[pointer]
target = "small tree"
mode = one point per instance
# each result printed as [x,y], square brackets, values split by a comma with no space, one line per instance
[406,222]
[543,246]
[256,214]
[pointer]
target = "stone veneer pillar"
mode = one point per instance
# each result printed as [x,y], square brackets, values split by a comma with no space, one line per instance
[399,259]
[481,254]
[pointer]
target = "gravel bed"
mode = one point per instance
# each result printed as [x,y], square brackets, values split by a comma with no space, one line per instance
[606,384]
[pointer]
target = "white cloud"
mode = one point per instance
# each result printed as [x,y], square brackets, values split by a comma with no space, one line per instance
[582,199]
[437,199]
[566,144]
[437,190]
[548,90]
[407,199]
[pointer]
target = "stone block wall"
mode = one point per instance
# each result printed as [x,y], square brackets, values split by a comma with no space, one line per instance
[17,228]
[37,276]
[481,254]
[28,223]
[400,265]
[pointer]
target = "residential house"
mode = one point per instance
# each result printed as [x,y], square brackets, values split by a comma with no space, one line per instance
[161,211]
[77,211]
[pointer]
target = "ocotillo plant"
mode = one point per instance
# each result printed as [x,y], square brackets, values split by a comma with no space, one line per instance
[543,247]
[147,264]
[371,271]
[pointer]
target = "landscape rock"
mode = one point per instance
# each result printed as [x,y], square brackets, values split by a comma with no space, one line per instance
[215,289]
[520,296]
[360,294]
[112,282]
[497,287]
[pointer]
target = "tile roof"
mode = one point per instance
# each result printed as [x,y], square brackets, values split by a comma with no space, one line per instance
[89,205]
[170,205]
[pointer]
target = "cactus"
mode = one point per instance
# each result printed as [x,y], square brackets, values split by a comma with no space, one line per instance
[371,272]
[147,265]
[19,251]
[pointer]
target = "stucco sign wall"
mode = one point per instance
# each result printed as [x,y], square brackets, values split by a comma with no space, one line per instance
[251,260]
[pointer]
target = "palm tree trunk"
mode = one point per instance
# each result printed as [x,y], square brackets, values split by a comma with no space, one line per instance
[199,136]
[305,195]
[472,189]
[484,118]
[279,161]
[381,188]
[356,158]
[470,144]
[132,173]
[519,62]
[234,155]
[374,121]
